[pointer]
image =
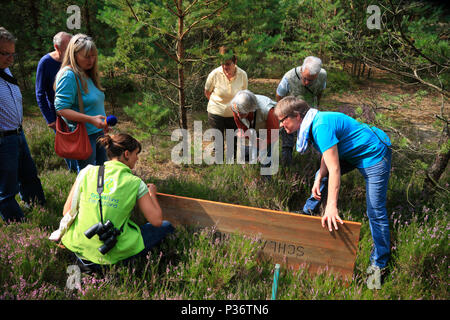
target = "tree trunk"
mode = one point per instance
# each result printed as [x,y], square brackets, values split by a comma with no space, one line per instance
[358,70]
[180,56]
[88,18]
[440,164]
[35,14]
[355,66]
[22,73]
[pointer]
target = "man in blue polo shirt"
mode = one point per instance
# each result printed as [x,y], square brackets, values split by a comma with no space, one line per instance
[47,69]
[345,144]
[18,172]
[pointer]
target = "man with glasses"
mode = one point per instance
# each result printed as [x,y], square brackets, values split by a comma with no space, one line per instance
[18,173]
[305,82]
[47,69]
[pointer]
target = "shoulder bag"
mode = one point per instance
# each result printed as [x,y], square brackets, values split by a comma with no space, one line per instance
[72,144]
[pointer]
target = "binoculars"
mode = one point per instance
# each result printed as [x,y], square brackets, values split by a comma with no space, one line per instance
[106,233]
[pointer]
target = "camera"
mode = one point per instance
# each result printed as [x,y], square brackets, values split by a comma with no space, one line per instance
[106,233]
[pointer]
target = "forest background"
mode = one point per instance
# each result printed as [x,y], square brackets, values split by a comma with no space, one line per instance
[387,65]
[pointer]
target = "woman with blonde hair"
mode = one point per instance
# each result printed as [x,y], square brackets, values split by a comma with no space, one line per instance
[79,69]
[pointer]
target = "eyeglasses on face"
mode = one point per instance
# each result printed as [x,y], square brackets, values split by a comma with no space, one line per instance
[309,79]
[282,120]
[7,54]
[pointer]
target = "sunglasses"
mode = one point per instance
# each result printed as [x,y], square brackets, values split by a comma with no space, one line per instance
[83,39]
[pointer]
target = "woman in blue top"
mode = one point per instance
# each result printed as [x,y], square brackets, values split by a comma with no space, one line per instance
[80,63]
[345,144]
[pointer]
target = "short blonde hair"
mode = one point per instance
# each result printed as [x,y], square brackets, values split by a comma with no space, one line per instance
[81,42]
[291,106]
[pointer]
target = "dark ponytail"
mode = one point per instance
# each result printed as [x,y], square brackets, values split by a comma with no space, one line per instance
[116,144]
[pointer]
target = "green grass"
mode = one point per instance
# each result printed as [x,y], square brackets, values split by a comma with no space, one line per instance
[192,264]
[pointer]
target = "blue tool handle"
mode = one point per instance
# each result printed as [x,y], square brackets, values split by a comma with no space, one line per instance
[276,274]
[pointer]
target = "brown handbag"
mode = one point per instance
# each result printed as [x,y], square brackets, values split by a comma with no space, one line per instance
[72,144]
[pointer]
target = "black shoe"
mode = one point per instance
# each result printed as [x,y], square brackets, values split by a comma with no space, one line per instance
[303,212]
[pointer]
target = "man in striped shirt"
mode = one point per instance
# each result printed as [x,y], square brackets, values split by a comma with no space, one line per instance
[18,172]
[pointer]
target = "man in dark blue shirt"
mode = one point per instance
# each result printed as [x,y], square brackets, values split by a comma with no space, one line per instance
[47,69]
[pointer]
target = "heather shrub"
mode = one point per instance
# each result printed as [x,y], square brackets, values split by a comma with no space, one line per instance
[31,266]
[202,264]
[420,255]
[56,184]
[41,141]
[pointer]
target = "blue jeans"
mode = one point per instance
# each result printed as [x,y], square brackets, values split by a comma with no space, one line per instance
[312,204]
[18,174]
[377,179]
[151,235]
[72,165]
[154,235]
[98,155]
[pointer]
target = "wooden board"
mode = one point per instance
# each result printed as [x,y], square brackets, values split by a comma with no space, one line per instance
[289,238]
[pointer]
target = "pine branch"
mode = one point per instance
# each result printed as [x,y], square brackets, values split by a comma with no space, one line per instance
[201,19]
[411,45]
[155,42]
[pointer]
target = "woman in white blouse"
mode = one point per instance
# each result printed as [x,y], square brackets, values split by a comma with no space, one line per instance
[221,86]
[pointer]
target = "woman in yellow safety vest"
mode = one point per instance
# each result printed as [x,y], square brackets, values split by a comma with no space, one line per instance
[102,232]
